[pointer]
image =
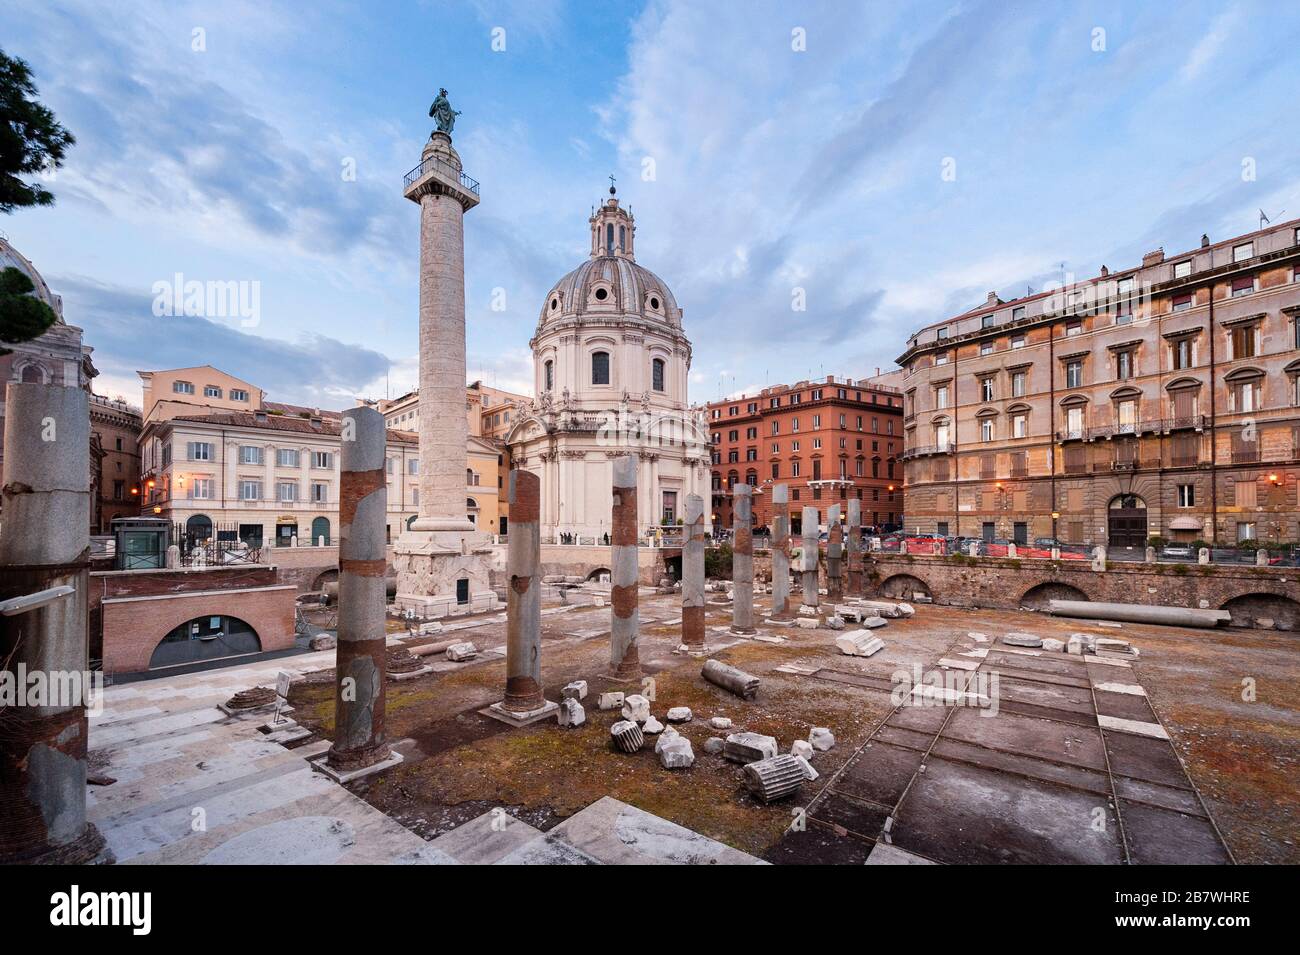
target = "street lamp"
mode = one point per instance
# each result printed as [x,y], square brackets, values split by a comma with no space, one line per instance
[1056,516]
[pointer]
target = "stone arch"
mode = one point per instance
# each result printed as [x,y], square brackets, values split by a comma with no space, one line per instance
[323,578]
[904,587]
[1040,596]
[1249,609]
[594,575]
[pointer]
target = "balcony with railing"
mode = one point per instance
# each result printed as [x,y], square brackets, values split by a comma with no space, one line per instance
[925,450]
[1185,423]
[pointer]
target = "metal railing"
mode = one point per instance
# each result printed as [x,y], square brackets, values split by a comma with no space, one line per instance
[921,450]
[447,169]
[1279,554]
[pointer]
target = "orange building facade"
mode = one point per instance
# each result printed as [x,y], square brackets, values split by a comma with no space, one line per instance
[828,441]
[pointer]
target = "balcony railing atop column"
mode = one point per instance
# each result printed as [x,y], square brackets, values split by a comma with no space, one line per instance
[434,164]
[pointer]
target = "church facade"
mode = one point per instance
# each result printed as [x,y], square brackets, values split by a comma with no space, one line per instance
[611,364]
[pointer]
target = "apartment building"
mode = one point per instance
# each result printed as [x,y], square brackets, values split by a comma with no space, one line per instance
[265,472]
[1157,401]
[828,441]
[114,460]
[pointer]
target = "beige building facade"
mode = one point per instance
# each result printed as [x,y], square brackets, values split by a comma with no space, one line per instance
[1161,401]
[267,473]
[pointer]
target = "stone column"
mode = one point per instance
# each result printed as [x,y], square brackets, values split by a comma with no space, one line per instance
[742,559]
[780,552]
[854,547]
[810,555]
[625,619]
[693,574]
[359,669]
[524,597]
[834,553]
[45,544]
[444,427]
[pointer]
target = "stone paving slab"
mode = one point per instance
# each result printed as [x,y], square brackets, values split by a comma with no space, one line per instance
[1029,736]
[1161,837]
[1048,772]
[885,854]
[880,773]
[616,833]
[964,814]
[1152,760]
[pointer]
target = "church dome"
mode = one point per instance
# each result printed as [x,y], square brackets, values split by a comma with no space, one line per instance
[610,284]
[12,258]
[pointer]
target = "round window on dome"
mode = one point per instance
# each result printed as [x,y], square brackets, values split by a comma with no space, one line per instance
[555,303]
[654,303]
[601,295]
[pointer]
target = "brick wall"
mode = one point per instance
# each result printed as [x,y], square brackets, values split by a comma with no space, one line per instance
[1249,593]
[131,611]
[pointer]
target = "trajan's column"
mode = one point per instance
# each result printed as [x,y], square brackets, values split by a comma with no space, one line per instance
[440,560]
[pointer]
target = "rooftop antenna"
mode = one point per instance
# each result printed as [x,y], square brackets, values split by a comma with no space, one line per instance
[1265,220]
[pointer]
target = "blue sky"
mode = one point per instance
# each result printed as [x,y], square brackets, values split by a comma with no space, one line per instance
[1080,134]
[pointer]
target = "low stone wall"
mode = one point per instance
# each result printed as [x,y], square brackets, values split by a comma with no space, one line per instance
[1255,596]
[130,611]
[581,560]
[307,568]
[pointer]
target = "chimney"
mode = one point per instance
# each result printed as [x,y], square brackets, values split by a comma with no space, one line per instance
[1205,240]
[1104,271]
[1154,258]
[993,299]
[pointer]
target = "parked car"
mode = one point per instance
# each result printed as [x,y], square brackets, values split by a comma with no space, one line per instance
[1048,542]
[1177,551]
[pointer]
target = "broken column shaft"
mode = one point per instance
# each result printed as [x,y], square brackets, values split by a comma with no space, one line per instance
[808,560]
[834,553]
[693,573]
[742,560]
[624,618]
[524,596]
[359,738]
[853,547]
[780,551]
[46,544]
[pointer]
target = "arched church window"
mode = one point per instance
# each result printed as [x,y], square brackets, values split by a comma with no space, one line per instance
[657,374]
[548,376]
[600,368]
[622,234]
[609,238]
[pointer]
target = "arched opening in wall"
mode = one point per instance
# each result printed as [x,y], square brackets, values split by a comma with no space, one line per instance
[320,531]
[673,567]
[595,575]
[1041,596]
[1271,611]
[197,529]
[904,587]
[323,578]
[205,638]
[471,510]
[1126,519]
